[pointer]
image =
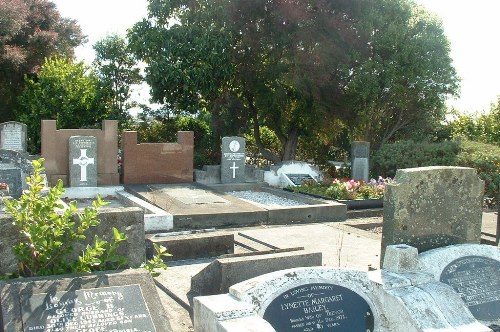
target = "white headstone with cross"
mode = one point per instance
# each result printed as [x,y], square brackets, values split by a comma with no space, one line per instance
[83,161]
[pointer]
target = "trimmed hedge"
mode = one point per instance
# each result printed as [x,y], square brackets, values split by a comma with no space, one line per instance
[485,158]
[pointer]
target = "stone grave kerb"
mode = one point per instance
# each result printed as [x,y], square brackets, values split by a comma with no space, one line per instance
[431,207]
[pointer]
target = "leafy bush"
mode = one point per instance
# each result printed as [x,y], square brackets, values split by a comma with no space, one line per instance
[48,238]
[485,158]
[406,154]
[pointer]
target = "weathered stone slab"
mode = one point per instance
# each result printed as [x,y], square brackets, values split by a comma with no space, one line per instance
[233,159]
[105,301]
[83,161]
[432,207]
[13,136]
[277,176]
[473,271]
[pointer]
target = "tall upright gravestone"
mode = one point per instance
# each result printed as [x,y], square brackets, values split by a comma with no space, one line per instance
[433,207]
[13,136]
[360,160]
[83,161]
[233,160]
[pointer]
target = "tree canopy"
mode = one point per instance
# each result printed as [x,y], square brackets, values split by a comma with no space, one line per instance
[30,31]
[63,91]
[295,67]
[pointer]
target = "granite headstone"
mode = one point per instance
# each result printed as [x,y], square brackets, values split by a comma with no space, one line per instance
[83,161]
[233,160]
[13,136]
[360,160]
[105,301]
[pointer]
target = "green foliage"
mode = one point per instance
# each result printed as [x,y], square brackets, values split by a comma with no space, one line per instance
[407,154]
[296,66]
[157,261]
[479,127]
[30,31]
[64,91]
[485,158]
[48,237]
[117,71]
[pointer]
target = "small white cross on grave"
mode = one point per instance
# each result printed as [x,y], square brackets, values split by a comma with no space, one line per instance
[83,161]
[234,168]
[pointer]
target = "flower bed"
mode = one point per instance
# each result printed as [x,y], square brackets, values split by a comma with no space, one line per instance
[355,194]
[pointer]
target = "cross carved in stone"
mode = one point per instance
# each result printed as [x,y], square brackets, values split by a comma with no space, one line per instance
[234,168]
[83,161]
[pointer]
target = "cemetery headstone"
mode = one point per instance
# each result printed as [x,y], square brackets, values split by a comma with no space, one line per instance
[432,207]
[13,136]
[107,301]
[360,160]
[14,168]
[298,179]
[233,160]
[83,161]
[473,271]
[291,173]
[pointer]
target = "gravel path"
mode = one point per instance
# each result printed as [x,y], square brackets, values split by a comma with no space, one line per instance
[264,198]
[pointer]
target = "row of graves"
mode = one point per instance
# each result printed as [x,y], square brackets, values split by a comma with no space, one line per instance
[435,275]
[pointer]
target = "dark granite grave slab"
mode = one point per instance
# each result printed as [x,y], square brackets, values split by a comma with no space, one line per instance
[13,177]
[105,301]
[477,280]
[320,307]
[298,179]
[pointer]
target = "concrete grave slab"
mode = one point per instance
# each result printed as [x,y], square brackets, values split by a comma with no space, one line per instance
[103,301]
[431,207]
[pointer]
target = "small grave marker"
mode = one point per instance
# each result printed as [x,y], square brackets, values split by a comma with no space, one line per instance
[360,163]
[320,307]
[233,160]
[83,161]
[13,136]
[14,168]
[298,179]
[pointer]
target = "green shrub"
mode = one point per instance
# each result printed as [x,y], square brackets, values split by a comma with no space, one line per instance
[485,158]
[407,154]
[48,237]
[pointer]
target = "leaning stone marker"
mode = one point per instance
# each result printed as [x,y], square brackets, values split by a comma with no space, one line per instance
[432,207]
[360,163]
[83,161]
[14,168]
[473,271]
[233,160]
[105,301]
[13,136]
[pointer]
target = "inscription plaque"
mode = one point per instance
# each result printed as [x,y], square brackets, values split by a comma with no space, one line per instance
[106,309]
[320,307]
[298,179]
[477,280]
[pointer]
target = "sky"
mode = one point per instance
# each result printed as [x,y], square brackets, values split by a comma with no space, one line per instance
[472,27]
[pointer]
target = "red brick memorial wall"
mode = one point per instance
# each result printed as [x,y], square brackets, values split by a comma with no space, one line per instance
[157,162]
[55,151]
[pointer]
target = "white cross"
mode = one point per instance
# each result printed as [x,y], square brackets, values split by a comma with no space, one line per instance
[234,168]
[83,161]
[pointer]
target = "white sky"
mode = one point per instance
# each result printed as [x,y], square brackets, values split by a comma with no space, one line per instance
[471,26]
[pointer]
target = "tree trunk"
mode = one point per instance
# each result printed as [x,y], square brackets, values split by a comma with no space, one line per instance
[290,146]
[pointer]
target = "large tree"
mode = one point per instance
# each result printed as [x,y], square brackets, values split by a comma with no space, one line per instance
[30,31]
[290,65]
[117,71]
[63,91]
